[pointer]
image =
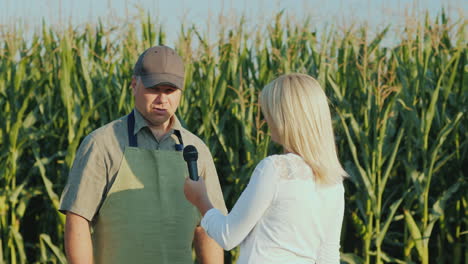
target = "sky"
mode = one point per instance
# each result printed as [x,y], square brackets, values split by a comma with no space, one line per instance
[204,13]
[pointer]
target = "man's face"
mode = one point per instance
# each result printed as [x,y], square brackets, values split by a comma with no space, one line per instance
[157,104]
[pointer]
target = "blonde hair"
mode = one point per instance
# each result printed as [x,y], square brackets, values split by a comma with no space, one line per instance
[296,108]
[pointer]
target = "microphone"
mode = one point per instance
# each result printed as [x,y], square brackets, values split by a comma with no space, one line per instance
[191,156]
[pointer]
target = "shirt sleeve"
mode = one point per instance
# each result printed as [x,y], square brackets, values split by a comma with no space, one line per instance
[210,176]
[229,231]
[86,183]
[329,250]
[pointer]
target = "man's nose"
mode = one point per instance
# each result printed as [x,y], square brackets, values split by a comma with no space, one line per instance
[161,98]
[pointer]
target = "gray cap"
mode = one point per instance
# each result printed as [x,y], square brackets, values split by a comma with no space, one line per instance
[160,65]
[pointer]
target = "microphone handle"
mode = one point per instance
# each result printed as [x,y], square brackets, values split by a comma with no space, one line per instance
[193,170]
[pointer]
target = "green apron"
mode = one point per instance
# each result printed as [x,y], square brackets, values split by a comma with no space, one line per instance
[145,217]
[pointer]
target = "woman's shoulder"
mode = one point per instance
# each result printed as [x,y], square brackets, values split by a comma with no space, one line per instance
[276,161]
[287,166]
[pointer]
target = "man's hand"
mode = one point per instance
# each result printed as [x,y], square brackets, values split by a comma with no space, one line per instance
[207,250]
[78,246]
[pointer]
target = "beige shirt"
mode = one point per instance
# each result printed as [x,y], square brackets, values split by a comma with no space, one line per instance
[99,156]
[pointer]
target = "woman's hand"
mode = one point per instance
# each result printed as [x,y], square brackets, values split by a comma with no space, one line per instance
[195,193]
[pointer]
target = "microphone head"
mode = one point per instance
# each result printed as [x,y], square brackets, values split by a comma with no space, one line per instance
[190,153]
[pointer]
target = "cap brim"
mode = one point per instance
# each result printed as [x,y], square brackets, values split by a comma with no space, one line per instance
[156,79]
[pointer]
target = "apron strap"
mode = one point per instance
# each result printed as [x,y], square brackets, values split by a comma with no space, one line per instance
[180,146]
[132,139]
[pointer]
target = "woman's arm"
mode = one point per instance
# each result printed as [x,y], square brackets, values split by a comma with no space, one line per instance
[329,251]
[229,231]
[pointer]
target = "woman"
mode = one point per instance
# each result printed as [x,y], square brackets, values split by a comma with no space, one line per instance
[292,209]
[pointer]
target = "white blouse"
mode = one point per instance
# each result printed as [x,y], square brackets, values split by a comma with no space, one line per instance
[282,216]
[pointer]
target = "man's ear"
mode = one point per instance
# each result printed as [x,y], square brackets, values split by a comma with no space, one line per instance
[133,84]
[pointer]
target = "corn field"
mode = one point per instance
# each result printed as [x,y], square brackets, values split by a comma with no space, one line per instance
[399,112]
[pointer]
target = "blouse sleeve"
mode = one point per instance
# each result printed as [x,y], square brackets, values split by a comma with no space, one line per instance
[329,251]
[230,230]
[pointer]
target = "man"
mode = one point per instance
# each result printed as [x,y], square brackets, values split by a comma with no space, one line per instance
[126,183]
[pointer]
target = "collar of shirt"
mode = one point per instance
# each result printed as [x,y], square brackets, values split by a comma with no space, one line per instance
[140,123]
